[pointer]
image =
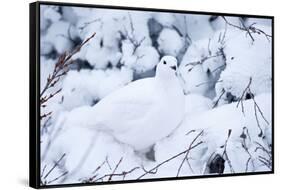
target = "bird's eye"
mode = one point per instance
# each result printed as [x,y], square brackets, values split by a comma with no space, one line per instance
[164,63]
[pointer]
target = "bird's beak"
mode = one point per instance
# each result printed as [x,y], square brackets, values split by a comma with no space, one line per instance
[174,68]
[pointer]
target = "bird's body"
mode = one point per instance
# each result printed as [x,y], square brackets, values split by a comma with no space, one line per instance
[141,113]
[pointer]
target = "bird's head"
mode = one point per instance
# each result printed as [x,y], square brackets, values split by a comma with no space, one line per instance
[167,67]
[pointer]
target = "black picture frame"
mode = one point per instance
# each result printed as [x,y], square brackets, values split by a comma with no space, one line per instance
[34,91]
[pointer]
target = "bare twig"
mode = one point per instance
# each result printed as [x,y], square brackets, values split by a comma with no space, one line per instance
[107,162]
[225,152]
[45,124]
[100,166]
[47,97]
[122,174]
[117,165]
[110,176]
[45,115]
[150,172]
[61,68]
[256,106]
[203,60]
[189,132]
[265,161]
[96,170]
[249,30]
[187,153]
[43,171]
[260,146]
[240,100]
[244,136]
[171,158]
[86,24]
[217,101]
[131,36]
[222,39]
[55,165]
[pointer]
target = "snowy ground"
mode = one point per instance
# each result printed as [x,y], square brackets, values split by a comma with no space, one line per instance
[224,69]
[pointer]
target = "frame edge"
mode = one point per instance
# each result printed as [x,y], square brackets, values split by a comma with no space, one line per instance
[33,128]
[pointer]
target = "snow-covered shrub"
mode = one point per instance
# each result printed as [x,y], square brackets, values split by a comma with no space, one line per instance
[202,64]
[245,66]
[170,42]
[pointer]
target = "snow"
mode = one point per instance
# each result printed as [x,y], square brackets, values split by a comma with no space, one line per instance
[201,27]
[85,87]
[201,65]
[142,59]
[244,63]
[57,34]
[195,103]
[142,125]
[215,123]
[170,42]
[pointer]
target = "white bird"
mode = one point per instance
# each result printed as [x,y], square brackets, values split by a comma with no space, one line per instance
[141,113]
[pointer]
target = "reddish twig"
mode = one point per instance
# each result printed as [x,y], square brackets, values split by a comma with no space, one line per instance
[117,165]
[61,68]
[45,115]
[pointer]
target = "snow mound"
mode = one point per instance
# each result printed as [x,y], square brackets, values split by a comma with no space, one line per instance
[246,60]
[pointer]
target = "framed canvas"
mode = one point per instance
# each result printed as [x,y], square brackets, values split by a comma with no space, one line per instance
[126,94]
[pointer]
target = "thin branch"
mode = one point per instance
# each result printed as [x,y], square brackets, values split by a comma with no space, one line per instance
[45,115]
[203,60]
[187,153]
[244,146]
[47,97]
[122,174]
[117,165]
[249,30]
[150,172]
[263,160]
[217,101]
[61,68]
[171,158]
[86,24]
[257,106]
[268,152]
[55,165]
[225,152]
[266,162]
[131,36]
[240,100]
[43,171]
